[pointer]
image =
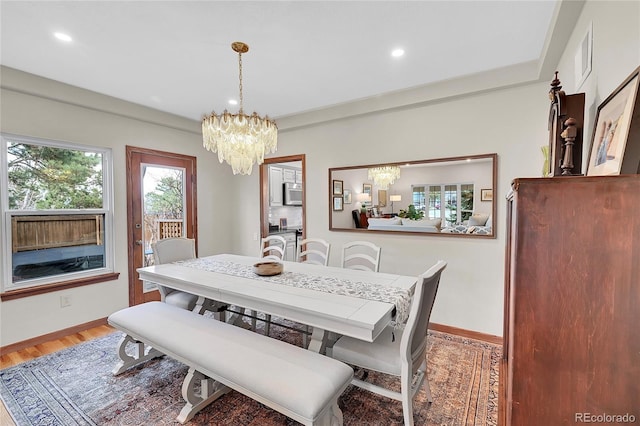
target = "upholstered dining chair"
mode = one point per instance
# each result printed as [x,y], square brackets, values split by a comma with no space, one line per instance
[172,250]
[406,355]
[362,255]
[356,218]
[316,251]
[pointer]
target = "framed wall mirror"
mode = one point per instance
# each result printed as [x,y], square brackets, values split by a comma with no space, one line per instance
[442,196]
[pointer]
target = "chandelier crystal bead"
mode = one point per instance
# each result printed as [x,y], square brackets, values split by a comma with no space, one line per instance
[384,176]
[239,139]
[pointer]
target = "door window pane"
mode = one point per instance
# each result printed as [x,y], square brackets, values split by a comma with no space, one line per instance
[163,205]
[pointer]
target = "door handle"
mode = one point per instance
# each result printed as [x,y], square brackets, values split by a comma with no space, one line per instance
[138,242]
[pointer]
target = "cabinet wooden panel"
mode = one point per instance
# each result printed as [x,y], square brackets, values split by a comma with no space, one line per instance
[572,300]
[288,175]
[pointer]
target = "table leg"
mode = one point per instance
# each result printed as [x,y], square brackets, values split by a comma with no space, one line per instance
[318,341]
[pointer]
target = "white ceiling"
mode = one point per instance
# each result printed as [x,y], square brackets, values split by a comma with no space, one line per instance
[175,56]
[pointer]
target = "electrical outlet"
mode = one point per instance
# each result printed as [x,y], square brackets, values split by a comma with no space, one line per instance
[65,301]
[255,236]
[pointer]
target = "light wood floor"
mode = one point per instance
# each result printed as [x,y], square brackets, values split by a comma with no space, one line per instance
[13,358]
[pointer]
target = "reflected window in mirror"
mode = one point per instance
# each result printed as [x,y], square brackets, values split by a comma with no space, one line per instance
[452,203]
[428,197]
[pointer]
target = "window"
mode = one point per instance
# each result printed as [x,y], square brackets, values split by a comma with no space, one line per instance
[451,202]
[56,211]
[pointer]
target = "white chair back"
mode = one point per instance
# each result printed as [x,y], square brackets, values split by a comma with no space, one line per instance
[362,255]
[413,345]
[316,251]
[173,249]
[273,247]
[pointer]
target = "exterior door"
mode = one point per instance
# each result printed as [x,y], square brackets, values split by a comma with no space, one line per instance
[161,203]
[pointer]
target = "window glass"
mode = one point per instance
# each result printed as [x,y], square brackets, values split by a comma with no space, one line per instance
[451,202]
[47,177]
[466,201]
[418,197]
[57,210]
[435,202]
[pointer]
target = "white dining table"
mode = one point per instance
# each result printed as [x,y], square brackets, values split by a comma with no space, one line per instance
[326,312]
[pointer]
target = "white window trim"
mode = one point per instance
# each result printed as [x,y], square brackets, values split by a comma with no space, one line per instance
[5,217]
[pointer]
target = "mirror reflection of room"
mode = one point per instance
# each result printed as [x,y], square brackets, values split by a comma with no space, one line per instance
[433,197]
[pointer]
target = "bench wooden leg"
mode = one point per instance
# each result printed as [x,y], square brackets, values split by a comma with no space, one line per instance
[210,390]
[127,361]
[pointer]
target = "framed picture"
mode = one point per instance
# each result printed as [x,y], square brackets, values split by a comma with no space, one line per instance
[337,187]
[583,58]
[337,203]
[347,196]
[382,198]
[486,195]
[615,144]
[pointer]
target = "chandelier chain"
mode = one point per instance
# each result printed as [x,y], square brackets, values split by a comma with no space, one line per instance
[240,85]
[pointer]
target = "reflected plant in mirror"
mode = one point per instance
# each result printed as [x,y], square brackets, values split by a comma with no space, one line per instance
[429,197]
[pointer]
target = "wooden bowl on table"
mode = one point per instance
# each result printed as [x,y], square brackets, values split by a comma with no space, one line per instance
[268,268]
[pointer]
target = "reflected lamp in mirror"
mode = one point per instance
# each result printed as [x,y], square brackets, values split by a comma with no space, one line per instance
[363,198]
[394,198]
[436,197]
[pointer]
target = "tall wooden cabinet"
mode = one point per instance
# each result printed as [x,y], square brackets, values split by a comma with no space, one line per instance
[572,301]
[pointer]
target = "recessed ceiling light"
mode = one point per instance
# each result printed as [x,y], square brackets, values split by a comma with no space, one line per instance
[63,37]
[233,102]
[396,53]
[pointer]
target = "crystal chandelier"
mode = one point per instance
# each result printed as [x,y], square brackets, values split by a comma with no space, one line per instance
[384,176]
[240,140]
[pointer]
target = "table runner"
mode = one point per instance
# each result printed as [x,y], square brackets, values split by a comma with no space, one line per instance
[399,297]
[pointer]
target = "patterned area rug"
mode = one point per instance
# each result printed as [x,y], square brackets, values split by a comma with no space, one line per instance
[75,387]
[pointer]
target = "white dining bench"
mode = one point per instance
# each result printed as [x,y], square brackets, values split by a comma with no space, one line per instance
[298,383]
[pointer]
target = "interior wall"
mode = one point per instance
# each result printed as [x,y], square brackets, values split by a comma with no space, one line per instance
[32,106]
